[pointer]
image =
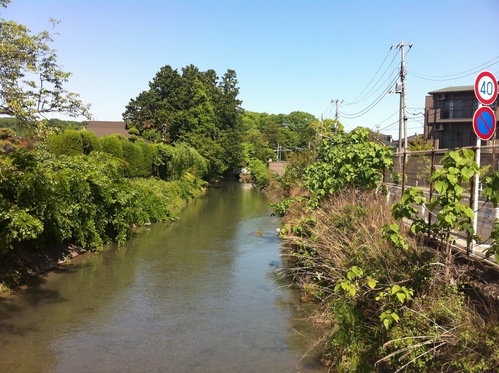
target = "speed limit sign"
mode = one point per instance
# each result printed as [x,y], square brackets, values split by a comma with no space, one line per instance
[486,88]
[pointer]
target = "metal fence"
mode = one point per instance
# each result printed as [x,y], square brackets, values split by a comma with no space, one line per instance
[415,168]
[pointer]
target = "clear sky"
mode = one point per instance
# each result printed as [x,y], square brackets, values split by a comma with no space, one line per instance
[289,55]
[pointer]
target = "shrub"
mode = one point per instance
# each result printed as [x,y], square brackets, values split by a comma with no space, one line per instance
[260,173]
[68,142]
[163,161]
[90,142]
[134,158]
[133,131]
[148,151]
[84,200]
[5,133]
[111,144]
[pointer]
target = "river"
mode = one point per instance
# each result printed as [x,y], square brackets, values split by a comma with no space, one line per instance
[198,295]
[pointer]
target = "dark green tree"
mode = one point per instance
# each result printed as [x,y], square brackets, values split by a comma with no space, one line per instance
[195,107]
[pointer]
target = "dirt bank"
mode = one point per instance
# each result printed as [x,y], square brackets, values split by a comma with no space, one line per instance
[20,265]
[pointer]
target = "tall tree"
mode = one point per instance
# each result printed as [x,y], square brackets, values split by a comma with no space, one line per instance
[195,107]
[31,81]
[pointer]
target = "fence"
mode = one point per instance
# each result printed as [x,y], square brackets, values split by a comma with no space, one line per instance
[414,169]
[278,167]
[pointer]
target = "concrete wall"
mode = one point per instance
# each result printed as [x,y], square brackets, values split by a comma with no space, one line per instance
[278,167]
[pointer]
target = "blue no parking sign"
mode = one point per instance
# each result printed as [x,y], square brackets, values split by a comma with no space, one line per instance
[484,119]
[484,122]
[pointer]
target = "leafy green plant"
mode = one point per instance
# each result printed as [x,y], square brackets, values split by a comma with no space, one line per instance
[84,200]
[68,142]
[491,193]
[260,174]
[348,160]
[391,232]
[112,145]
[446,206]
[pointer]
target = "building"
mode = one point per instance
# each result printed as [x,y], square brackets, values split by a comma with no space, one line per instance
[448,119]
[102,128]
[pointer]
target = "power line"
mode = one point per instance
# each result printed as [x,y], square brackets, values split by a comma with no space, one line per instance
[384,120]
[460,75]
[371,105]
[390,125]
[361,98]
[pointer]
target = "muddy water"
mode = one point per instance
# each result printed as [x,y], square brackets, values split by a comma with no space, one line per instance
[198,295]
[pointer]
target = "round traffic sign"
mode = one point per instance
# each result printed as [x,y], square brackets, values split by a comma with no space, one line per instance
[486,87]
[484,122]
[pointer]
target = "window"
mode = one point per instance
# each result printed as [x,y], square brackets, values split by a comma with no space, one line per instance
[458,108]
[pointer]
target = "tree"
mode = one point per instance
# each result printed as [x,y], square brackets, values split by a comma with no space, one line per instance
[194,107]
[301,123]
[348,160]
[31,81]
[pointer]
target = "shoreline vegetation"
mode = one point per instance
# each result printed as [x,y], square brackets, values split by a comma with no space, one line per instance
[21,265]
[381,308]
[387,299]
[72,192]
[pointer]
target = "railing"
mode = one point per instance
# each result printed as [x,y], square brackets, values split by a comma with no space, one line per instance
[278,167]
[414,169]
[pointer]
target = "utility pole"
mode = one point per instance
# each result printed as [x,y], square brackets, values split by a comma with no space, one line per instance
[338,103]
[403,94]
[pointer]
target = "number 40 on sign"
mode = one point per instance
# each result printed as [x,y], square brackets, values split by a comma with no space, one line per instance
[486,88]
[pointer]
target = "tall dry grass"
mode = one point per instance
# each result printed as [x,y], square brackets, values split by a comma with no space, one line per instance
[438,326]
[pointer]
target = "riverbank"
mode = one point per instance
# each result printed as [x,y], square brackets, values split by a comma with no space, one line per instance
[388,306]
[23,263]
[20,265]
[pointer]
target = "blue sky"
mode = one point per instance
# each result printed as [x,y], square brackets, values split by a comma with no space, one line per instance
[293,55]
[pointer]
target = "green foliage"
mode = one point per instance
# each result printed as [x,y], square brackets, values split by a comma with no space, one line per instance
[194,107]
[133,131]
[381,294]
[90,142]
[84,199]
[439,332]
[260,173]
[347,346]
[73,142]
[348,160]
[491,193]
[391,232]
[149,152]
[163,155]
[112,145]
[17,225]
[298,162]
[5,133]
[491,188]
[186,159]
[32,81]
[282,207]
[211,150]
[134,159]
[451,214]
[69,142]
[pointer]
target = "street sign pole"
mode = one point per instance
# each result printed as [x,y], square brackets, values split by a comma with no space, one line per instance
[484,124]
[476,195]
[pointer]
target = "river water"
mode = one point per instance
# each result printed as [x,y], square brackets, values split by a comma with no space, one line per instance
[198,295]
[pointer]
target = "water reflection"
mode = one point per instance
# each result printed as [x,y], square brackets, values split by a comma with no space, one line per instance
[199,295]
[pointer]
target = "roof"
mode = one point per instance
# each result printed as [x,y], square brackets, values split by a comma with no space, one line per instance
[102,128]
[462,88]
